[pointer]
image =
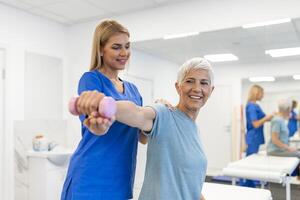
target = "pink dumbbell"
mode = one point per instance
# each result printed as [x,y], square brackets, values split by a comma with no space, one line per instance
[107,107]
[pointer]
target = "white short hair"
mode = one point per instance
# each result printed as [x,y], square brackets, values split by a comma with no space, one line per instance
[284,105]
[195,63]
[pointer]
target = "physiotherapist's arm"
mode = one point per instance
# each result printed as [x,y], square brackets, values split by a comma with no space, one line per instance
[260,122]
[135,116]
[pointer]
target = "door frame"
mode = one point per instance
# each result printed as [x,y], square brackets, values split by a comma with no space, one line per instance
[2,125]
[7,144]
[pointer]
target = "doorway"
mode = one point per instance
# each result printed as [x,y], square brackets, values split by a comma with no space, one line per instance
[215,125]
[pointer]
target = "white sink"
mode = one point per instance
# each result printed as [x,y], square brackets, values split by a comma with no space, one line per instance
[58,156]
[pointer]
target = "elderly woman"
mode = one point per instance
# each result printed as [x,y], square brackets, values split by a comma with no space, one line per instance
[279,142]
[176,164]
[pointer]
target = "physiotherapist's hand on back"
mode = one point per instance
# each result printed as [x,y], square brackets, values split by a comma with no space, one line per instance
[269,117]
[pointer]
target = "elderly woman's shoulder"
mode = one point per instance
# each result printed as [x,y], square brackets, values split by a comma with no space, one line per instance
[161,108]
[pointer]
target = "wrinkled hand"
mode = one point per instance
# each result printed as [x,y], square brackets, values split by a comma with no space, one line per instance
[292,149]
[88,102]
[97,124]
[166,103]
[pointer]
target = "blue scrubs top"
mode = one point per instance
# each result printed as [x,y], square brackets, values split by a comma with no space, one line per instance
[292,125]
[254,135]
[103,167]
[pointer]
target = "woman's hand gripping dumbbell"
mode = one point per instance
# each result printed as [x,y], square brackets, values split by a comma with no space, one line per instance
[100,110]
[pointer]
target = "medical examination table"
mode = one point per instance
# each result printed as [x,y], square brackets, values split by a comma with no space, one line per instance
[264,168]
[213,191]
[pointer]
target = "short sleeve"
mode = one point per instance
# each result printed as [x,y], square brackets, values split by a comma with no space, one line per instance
[161,113]
[89,82]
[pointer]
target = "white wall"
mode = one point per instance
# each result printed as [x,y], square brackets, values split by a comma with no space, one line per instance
[22,32]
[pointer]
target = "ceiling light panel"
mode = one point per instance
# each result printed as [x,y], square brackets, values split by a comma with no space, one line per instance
[180,35]
[296,77]
[221,57]
[262,79]
[283,52]
[267,23]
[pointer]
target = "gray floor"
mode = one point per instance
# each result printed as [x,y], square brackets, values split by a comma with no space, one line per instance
[277,190]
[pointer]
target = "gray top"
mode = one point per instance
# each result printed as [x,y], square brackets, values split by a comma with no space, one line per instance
[176,164]
[279,126]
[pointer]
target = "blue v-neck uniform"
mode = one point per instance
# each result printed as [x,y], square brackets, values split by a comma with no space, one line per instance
[103,167]
[254,136]
[292,124]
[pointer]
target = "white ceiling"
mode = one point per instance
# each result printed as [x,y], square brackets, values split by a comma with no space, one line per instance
[74,11]
[248,44]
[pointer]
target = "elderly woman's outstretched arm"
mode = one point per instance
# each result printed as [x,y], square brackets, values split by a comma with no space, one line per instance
[127,113]
[135,116]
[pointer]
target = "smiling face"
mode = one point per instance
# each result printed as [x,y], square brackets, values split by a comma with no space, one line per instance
[116,52]
[194,90]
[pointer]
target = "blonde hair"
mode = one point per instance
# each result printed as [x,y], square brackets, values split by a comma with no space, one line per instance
[103,32]
[195,63]
[254,92]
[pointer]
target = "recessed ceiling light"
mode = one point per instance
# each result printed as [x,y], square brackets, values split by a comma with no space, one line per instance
[267,23]
[180,35]
[221,57]
[283,52]
[262,79]
[296,77]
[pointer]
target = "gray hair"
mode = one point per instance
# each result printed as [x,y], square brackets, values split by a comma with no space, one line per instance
[195,63]
[284,105]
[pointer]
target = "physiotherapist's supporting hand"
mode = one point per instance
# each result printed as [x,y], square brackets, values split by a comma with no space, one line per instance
[269,117]
[166,103]
[97,124]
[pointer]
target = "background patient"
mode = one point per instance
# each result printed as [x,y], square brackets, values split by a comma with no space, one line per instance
[279,142]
